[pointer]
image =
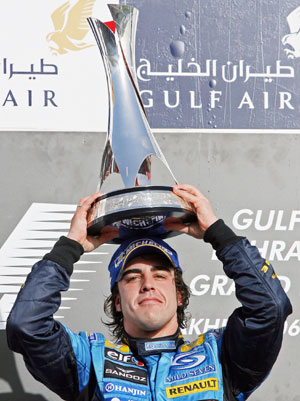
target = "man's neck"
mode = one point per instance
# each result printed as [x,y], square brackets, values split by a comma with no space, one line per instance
[155,345]
[153,334]
[138,332]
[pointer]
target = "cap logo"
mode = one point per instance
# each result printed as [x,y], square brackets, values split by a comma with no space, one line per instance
[137,244]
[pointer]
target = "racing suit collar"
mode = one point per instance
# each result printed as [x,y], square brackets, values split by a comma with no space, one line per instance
[154,346]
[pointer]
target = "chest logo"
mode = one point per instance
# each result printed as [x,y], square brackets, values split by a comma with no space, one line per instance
[187,360]
[194,387]
[118,356]
[134,375]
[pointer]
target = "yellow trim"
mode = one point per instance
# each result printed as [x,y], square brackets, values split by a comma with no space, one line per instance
[121,347]
[188,346]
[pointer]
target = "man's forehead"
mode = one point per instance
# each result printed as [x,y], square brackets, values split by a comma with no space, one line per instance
[150,260]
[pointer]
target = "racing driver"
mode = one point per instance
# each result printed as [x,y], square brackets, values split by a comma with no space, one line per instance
[150,359]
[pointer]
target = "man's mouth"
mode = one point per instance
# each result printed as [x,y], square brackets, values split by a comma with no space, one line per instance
[150,300]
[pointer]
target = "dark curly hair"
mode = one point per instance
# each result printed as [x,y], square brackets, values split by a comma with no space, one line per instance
[116,326]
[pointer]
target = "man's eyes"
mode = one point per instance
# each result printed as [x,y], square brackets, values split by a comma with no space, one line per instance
[134,277]
[160,276]
[131,278]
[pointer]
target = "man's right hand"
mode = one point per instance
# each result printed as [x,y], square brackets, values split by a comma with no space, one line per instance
[78,229]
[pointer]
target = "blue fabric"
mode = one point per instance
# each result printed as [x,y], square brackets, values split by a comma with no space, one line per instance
[246,349]
[193,372]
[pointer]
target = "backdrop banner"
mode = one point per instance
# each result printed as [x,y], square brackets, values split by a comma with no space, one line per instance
[219,65]
[207,65]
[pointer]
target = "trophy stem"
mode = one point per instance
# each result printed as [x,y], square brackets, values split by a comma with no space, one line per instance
[135,210]
[129,136]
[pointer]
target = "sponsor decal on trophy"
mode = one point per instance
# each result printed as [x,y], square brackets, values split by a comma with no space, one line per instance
[140,208]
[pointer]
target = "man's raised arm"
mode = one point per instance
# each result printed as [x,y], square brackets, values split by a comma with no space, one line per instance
[253,335]
[31,329]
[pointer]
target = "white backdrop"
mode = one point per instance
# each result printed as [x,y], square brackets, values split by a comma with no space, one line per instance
[67,93]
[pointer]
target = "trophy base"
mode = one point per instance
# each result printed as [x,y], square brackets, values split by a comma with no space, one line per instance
[138,211]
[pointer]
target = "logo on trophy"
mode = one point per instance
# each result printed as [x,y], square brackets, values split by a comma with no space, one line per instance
[139,208]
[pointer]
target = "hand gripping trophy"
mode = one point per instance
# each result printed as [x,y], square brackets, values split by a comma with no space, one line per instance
[139,208]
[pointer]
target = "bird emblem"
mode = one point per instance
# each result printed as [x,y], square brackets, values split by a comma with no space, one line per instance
[293,39]
[70,26]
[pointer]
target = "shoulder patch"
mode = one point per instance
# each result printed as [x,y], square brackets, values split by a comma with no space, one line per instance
[92,336]
[215,332]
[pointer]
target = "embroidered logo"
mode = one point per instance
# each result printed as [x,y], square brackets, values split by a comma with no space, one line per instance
[158,345]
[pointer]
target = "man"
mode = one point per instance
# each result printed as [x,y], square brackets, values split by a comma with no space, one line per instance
[152,361]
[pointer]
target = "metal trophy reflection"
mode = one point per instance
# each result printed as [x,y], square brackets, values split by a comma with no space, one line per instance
[139,208]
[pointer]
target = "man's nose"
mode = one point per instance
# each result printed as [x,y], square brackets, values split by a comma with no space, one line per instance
[148,283]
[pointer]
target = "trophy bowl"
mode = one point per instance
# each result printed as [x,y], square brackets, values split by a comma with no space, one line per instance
[138,211]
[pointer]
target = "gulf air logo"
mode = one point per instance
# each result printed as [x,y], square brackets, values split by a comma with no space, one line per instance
[187,360]
[33,237]
[70,26]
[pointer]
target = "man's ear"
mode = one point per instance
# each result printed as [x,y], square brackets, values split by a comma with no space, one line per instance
[118,303]
[179,298]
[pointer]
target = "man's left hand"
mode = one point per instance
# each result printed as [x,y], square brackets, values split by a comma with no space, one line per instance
[201,206]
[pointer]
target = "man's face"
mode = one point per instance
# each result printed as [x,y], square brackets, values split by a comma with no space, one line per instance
[148,298]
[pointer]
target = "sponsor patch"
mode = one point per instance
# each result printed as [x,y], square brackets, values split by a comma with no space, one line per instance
[116,388]
[118,356]
[192,373]
[188,360]
[194,387]
[121,372]
[157,345]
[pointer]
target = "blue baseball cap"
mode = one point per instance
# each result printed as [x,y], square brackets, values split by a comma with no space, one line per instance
[133,247]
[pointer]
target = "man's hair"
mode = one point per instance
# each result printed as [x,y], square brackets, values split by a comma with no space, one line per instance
[116,325]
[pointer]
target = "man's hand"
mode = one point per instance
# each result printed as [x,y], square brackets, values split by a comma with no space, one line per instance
[78,229]
[202,208]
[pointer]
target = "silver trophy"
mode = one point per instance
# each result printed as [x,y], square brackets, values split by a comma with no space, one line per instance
[139,208]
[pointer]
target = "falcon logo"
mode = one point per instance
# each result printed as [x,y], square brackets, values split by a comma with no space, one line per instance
[70,27]
[188,360]
[292,39]
[125,370]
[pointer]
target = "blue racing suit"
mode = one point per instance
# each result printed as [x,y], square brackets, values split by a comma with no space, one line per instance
[225,364]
